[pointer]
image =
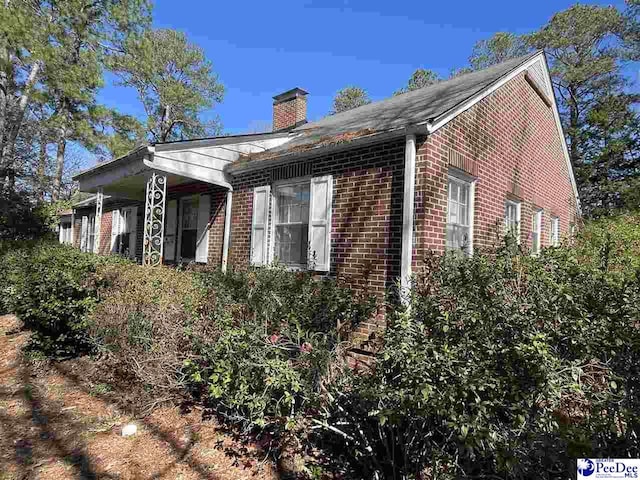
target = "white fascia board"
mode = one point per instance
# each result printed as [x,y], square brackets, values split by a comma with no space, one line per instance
[91,180]
[556,116]
[447,117]
[443,120]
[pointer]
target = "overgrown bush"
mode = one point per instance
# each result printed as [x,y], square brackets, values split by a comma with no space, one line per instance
[503,365]
[143,327]
[611,244]
[51,288]
[277,334]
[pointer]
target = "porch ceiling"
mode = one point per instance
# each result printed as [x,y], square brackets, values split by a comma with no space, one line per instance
[182,162]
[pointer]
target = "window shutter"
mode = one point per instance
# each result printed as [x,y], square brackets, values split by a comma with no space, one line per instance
[320,223]
[84,230]
[259,221]
[202,235]
[170,230]
[133,227]
[115,230]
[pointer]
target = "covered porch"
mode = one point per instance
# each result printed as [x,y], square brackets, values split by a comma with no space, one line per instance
[184,192]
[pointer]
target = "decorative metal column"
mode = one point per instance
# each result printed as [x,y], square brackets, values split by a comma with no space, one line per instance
[154,209]
[98,221]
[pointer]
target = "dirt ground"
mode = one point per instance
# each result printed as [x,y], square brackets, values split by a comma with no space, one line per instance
[53,426]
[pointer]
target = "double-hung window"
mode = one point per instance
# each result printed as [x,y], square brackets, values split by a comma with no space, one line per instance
[536,232]
[291,223]
[555,231]
[460,214]
[512,219]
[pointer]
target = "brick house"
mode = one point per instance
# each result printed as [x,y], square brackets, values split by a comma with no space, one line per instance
[362,194]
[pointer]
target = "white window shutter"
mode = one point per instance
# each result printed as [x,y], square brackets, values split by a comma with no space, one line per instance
[170,230]
[320,223]
[84,231]
[115,230]
[202,235]
[133,227]
[259,225]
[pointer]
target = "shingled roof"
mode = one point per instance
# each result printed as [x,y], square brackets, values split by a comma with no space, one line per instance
[413,108]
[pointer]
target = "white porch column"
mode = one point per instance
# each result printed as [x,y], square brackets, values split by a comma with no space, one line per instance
[227,230]
[154,210]
[73,225]
[98,221]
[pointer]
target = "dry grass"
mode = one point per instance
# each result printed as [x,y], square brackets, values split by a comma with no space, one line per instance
[56,424]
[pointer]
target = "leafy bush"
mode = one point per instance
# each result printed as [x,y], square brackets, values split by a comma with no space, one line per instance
[502,365]
[277,335]
[51,288]
[611,244]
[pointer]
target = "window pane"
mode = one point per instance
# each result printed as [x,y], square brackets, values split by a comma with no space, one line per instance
[292,224]
[190,215]
[291,244]
[464,191]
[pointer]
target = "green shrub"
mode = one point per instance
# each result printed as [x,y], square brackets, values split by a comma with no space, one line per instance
[503,365]
[611,244]
[277,336]
[51,288]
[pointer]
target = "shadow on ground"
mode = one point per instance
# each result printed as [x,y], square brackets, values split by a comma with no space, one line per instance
[52,426]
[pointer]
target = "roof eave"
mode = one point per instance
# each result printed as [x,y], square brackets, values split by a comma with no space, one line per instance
[138,152]
[239,167]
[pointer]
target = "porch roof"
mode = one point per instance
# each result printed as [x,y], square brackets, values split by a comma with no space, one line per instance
[182,162]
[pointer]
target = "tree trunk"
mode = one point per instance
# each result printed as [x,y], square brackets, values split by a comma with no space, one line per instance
[574,133]
[42,169]
[57,179]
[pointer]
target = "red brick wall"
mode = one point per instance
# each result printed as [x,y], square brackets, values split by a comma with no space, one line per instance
[216,230]
[104,247]
[511,141]
[366,226]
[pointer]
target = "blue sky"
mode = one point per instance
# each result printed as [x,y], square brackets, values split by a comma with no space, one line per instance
[263,48]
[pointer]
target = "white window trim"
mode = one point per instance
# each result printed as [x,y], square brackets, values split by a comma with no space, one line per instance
[518,206]
[290,182]
[461,177]
[538,216]
[555,231]
[466,179]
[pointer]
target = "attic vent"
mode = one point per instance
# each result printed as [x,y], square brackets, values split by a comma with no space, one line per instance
[536,77]
[458,160]
[301,169]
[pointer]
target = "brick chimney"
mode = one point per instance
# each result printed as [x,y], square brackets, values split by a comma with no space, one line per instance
[289,109]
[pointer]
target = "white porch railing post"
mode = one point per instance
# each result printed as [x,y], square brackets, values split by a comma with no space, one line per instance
[73,226]
[98,221]
[154,210]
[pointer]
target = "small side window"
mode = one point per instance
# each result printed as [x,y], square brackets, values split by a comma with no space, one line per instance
[536,232]
[512,219]
[460,215]
[555,231]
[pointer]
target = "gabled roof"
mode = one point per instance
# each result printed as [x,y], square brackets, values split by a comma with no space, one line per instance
[413,107]
[418,107]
